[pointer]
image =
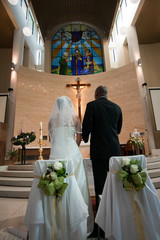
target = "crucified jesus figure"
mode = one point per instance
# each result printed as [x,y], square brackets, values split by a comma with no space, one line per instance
[79,87]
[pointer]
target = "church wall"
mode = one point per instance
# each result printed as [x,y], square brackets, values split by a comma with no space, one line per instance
[28,59]
[126,54]
[150,62]
[106,60]
[37,93]
[5,69]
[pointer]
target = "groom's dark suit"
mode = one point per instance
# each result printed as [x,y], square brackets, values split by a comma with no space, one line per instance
[103,119]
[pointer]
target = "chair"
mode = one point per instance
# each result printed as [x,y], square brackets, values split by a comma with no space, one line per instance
[62,218]
[118,210]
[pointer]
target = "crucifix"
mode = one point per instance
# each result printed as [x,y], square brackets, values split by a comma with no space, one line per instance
[78,86]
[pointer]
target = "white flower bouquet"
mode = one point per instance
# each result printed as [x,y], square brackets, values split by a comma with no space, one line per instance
[52,182]
[132,174]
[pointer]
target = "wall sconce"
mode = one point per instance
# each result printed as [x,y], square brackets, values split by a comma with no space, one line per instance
[134,1]
[10,89]
[123,30]
[12,66]
[27,32]
[13,2]
[139,62]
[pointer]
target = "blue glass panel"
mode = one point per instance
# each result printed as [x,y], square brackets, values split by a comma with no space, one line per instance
[78,48]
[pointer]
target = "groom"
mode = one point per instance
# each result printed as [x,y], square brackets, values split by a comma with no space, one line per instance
[103,119]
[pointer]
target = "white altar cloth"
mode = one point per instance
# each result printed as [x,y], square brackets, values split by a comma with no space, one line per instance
[69,219]
[115,214]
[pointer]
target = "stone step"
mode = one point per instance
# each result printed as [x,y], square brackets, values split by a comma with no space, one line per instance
[19,182]
[16,180]
[153,159]
[20,167]
[153,165]
[158,192]
[20,174]
[156,182]
[154,173]
[14,192]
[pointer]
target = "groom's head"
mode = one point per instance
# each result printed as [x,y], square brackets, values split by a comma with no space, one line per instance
[101,91]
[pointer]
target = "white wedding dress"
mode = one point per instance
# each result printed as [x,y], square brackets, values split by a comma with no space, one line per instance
[69,217]
[68,149]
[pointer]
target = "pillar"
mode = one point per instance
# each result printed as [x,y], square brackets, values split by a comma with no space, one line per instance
[17,59]
[134,53]
[107,66]
[47,61]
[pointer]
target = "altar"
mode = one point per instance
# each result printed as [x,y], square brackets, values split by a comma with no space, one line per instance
[127,149]
[32,153]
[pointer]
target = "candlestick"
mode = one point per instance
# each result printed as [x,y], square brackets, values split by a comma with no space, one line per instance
[40,150]
[40,131]
[40,143]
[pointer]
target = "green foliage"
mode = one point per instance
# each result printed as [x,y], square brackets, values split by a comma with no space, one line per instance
[13,153]
[138,141]
[133,180]
[52,182]
[23,138]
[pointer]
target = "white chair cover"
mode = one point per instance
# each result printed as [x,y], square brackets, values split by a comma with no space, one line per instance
[68,219]
[115,214]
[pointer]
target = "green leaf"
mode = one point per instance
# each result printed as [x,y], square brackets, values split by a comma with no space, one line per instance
[51,188]
[127,185]
[62,189]
[137,179]
[144,176]
[122,174]
[58,182]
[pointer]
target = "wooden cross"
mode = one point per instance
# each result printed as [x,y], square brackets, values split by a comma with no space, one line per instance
[79,86]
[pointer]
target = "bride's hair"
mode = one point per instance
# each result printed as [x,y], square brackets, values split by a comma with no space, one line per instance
[62,101]
[63,114]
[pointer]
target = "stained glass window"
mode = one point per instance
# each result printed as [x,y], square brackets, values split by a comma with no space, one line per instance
[76,50]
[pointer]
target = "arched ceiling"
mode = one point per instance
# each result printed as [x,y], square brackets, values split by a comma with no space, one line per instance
[98,13]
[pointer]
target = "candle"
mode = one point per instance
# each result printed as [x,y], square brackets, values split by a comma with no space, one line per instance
[40,130]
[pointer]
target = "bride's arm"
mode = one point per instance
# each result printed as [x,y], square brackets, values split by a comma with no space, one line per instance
[78,138]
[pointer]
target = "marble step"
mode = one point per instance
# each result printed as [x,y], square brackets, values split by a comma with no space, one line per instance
[23,192]
[14,192]
[156,182]
[20,174]
[19,182]
[154,173]
[16,180]
[20,167]
[153,159]
[154,165]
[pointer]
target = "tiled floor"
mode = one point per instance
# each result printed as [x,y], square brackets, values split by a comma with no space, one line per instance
[12,212]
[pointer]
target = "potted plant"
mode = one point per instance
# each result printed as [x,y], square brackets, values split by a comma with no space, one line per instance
[13,154]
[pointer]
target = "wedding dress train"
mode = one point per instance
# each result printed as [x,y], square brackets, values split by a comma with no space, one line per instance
[68,149]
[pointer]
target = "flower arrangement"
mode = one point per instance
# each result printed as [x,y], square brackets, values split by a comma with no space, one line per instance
[132,174]
[137,140]
[23,138]
[52,181]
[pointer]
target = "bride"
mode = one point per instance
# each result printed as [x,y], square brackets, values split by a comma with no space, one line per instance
[64,129]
